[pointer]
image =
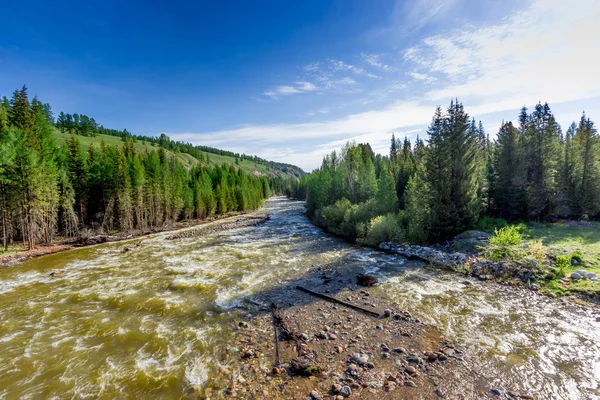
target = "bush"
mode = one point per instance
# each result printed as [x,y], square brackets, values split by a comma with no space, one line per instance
[507,236]
[334,214]
[384,228]
[489,224]
[537,250]
[502,243]
[562,265]
[577,256]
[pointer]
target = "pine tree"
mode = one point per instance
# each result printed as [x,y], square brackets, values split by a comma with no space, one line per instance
[77,172]
[541,138]
[586,143]
[451,172]
[508,191]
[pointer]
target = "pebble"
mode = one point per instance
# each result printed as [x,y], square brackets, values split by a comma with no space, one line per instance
[314,395]
[370,365]
[379,327]
[339,349]
[467,283]
[410,369]
[410,384]
[439,392]
[332,336]
[495,392]
[387,313]
[400,350]
[336,388]
[346,391]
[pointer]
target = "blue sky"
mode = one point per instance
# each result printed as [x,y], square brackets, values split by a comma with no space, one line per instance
[292,80]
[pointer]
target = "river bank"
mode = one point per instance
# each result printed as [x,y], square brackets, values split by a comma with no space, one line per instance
[238,219]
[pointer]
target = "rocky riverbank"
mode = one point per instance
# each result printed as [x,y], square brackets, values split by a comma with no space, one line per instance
[528,273]
[341,352]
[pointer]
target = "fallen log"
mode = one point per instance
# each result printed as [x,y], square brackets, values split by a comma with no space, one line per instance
[344,303]
[285,324]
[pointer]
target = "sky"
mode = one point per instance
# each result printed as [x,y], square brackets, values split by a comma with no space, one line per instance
[291,81]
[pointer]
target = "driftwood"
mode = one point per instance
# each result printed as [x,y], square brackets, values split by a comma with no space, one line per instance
[334,300]
[286,325]
[306,361]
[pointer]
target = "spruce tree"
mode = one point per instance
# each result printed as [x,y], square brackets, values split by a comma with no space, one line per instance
[508,187]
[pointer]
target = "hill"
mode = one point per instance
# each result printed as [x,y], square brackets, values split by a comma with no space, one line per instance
[250,164]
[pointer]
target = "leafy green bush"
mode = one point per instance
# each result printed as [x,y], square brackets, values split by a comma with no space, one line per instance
[523,229]
[577,256]
[507,236]
[503,243]
[562,265]
[334,214]
[383,228]
[489,224]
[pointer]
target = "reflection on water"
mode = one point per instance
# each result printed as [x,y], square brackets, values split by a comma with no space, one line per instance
[155,321]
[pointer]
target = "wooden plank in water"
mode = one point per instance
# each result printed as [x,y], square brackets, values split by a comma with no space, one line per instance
[344,303]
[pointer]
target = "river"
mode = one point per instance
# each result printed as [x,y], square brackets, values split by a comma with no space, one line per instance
[157,320]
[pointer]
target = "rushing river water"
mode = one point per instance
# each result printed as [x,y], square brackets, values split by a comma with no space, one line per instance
[157,320]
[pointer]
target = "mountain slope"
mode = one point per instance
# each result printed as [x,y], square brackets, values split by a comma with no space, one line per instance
[270,169]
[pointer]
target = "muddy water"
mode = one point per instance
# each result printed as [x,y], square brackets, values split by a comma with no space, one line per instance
[158,320]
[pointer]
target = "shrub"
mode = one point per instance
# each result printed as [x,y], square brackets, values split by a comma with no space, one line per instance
[334,214]
[489,224]
[537,250]
[577,256]
[502,244]
[507,236]
[384,228]
[562,265]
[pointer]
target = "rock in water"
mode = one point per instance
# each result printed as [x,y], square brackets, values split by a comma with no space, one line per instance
[304,365]
[366,280]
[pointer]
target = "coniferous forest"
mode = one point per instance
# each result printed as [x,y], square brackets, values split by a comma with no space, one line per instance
[458,179]
[47,190]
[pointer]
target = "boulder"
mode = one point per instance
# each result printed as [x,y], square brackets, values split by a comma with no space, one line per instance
[366,280]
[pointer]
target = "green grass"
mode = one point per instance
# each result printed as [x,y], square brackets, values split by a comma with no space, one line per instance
[566,239]
[184,158]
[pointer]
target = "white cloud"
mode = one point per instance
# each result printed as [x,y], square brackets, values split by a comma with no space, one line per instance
[548,52]
[342,66]
[311,141]
[422,77]
[300,87]
[374,60]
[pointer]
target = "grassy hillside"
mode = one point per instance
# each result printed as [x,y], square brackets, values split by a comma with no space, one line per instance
[186,159]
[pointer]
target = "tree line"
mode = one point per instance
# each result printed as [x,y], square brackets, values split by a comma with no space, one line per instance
[87,126]
[46,190]
[458,179]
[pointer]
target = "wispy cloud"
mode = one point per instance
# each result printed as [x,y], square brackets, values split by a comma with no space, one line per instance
[422,77]
[543,52]
[299,87]
[342,66]
[546,51]
[374,60]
